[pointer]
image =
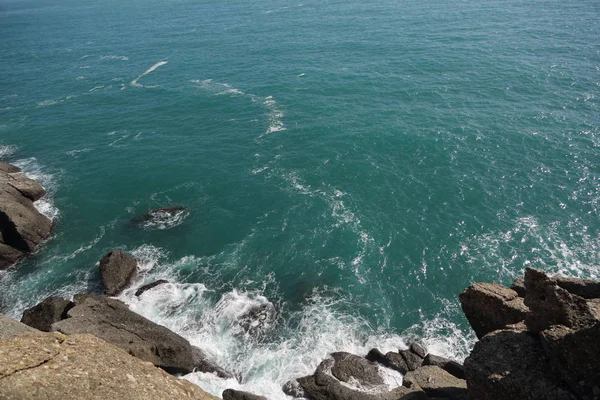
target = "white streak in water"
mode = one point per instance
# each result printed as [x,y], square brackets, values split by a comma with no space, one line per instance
[152,68]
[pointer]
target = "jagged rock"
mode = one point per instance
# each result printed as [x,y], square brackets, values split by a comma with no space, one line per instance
[346,366]
[149,286]
[49,311]
[159,214]
[22,227]
[418,350]
[413,360]
[231,394]
[452,367]
[203,364]
[403,361]
[258,319]
[511,365]
[437,382]
[47,366]
[574,356]
[117,270]
[586,288]
[553,305]
[112,321]
[489,307]
[10,327]
[519,286]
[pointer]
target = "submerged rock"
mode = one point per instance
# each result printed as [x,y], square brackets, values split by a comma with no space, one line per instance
[203,364]
[54,366]
[162,218]
[22,227]
[117,270]
[258,319]
[149,286]
[49,311]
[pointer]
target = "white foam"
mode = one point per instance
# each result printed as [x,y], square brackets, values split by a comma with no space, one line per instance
[7,151]
[46,103]
[74,153]
[112,57]
[33,170]
[165,220]
[275,116]
[149,70]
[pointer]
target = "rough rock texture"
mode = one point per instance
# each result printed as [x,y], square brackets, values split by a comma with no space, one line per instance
[519,286]
[22,227]
[436,382]
[112,321]
[203,364]
[403,361]
[51,366]
[149,286]
[489,307]
[511,365]
[452,367]
[258,319]
[49,311]
[348,366]
[231,394]
[10,327]
[586,288]
[8,168]
[117,270]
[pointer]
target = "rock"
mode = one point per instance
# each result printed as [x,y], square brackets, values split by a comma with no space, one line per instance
[150,286]
[203,364]
[403,361]
[8,168]
[231,394]
[375,355]
[489,307]
[574,356]
[112,321]
[117,270]
[552,305]
[10,327]
[412,360]
[51,366]
[418,350]
[519,286]
[511,365]
[159,214]
[348,366]
[22,227]
[436,382]
[586,288]
[452,367]
[49,311]
[258,319]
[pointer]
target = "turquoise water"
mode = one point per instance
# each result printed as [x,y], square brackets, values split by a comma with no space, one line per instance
[356,164]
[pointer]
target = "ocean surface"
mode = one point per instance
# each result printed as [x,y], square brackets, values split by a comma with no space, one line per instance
[353,164]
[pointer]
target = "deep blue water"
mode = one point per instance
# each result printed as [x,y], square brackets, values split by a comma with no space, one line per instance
[355,163]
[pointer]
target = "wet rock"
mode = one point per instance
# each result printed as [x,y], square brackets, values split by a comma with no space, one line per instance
[159,214]
[418,350]
[550,304]
[49,311]
[348,366]
[452,367]
[10,327]
[117,270]
[436,382]
[45,366]
[511,365]
[258,319]
[231,394]
[112,321]
[412,360]
[203,364]
[489,307]
[149,286]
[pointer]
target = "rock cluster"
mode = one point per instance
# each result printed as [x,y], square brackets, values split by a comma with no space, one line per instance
[22,227]
[539,340]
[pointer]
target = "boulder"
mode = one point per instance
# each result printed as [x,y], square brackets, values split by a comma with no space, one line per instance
[403,361]
[436,382]
[586,288]
[519,286]
[510,364]
[117,270]
[9,255]
[27,187]
[550,304]
[417,349]
[49,311]
[203,364]
[348,366]
[231,394]
[112,321]
[489,307]
[452,367]
[149,286]
[46,366]
[10,327]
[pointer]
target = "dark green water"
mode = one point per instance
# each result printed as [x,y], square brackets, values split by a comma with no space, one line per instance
[356,164]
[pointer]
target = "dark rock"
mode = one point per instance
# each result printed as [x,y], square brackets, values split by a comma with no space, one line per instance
[203,364]
[395,361]
[9,255]
[293,389]
[258,319]
[117,269]
[403,361]
[574,356]
[519,286]
[553,305]
[374,355]
[230,394]
[489,307]
[49,311]
[586,288]
[8,168]
[112,321]
[347,366]
[412,360]
[452,367]
[418,350]
[159,213]
[511,365]
[437,382]
[150,286]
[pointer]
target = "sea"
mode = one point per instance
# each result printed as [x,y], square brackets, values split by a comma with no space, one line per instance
[349,166]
